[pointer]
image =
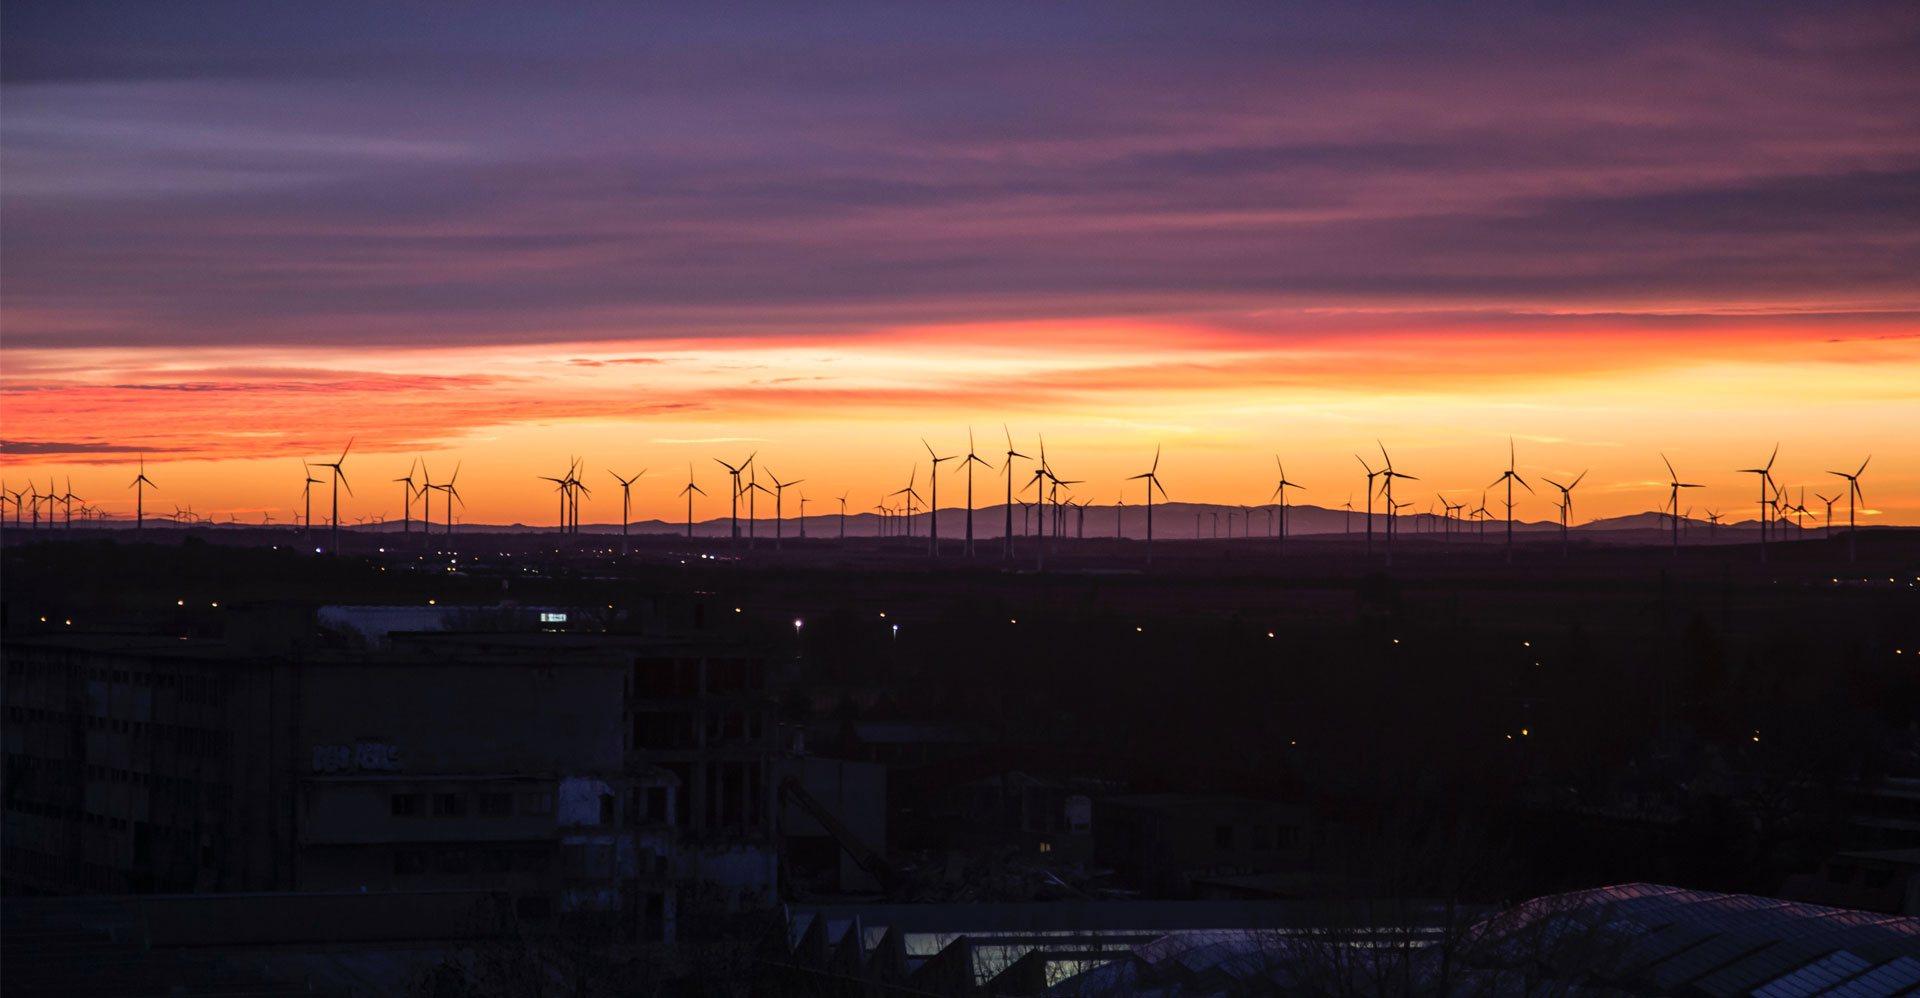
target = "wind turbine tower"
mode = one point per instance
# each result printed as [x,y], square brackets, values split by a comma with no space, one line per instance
[1853,493]
[1566,506]
[1766,476]
[968,462]
[1152,475]
[140,484]
[626,504]
[1006,471]
[933,507]
[1370,476]
[1281,491]
[1510,477]
[339,477]
[688,492]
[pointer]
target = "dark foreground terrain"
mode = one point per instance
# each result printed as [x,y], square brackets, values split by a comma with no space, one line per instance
[1231,725]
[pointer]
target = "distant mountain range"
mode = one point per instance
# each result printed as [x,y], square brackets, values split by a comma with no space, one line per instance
[1171,521]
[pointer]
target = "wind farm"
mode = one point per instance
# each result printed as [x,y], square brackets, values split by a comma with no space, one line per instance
[1071,525]
[1179,687]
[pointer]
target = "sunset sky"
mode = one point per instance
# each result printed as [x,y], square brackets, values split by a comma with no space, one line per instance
[237,234]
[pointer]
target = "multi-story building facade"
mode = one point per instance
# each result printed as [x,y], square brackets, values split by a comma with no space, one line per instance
[580,773]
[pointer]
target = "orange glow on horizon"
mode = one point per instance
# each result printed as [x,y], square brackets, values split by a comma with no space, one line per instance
[223,429]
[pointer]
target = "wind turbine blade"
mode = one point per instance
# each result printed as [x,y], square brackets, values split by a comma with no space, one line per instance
[1672,475]
[1523,483]
[1576,481]
[1863,466]
[344,450]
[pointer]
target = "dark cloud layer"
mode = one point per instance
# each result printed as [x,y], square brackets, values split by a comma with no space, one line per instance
[399,174]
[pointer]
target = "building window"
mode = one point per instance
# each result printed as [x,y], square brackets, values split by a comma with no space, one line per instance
[656,803]
[1287,836]
[449,805]
[606,811]
[1223,838]
[536,803]
[1263,838]
[409,863]
[407,805]
[496,805]
[454,861]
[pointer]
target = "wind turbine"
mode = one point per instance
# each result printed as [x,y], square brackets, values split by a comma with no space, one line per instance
[1006,470]
[339,476]
[1480,513]
[1510,476]
[1370,476]
[1120,518]
[968,462]
[406,495]
[1038,484]
[803,516]
[1281,491]
[1829,500]
[66,501]
[843,519]
[1674,485]
[933,507]
[688,492]
[1450,516]
[1152,475]
[306,496]
[140,484]
[1766,475]
[626,504]
[1392,508]
[753,487]
[426,506]
[779,489]
[1566,505]
[911,495]
[1346,525]
[569,498]
[1853,492]
[1713,520]
[453,495]
[564,486]
[733,518]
